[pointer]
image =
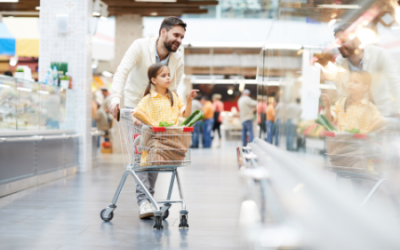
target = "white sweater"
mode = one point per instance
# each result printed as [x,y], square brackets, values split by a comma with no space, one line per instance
[133,71]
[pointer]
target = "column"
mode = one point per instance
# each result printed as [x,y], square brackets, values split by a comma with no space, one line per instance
[128,28]
[74,48]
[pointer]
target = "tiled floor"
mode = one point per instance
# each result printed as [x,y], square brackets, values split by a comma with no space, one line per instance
[64,214]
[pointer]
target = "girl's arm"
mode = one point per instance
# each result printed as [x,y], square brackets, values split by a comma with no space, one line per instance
[188,109]
[327,105]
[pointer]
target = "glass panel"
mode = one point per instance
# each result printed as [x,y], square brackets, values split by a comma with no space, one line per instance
[8,103]
[28,108]
[50,107]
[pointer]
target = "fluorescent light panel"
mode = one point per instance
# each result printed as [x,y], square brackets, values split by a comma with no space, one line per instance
[339,6]
[9,1]
[4,86]
[43,92]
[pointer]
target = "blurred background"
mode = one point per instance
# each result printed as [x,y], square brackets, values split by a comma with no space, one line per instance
[317,142]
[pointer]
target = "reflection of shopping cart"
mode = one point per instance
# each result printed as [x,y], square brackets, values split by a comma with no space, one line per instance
[362,157]
[153,150]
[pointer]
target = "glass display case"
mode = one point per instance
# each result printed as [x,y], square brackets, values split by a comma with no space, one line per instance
[28,105]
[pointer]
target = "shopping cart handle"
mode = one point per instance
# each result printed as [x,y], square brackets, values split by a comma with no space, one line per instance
[136,135]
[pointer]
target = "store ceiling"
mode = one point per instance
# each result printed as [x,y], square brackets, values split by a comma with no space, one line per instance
[120,7]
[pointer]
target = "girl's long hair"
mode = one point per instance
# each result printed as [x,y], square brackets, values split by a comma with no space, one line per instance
[365,79]
[153,71]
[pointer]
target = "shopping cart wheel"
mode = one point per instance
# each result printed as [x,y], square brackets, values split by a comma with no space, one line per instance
[157,222]
[166,214]
[184,221]
[106,219]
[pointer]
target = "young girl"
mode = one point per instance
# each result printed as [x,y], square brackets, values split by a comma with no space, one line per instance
[161,105]
[357,110]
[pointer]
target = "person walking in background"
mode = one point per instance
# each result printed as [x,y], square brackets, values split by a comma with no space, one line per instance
[278,111]
[218,109]
[196,105]
[246,111]
[293,114]
[270,119]
[208,121]
[261,115]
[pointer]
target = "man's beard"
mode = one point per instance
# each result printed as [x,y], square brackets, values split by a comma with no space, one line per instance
[168,45]
[346,52]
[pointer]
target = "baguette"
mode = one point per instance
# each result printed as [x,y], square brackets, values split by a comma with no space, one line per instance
[144,118]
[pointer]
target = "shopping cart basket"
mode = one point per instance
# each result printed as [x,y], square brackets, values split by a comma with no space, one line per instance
[153,150]
[363,157]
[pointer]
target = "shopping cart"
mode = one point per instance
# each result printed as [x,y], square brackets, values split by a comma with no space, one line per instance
[153,150]
[363,157]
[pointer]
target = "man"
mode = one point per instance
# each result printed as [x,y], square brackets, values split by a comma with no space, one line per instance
[106,98]
[246,112]
[293,114]
[196,105]
[208,121]
[385,87]
[131,80]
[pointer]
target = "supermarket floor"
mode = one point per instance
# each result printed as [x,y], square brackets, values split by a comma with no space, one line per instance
[64,214]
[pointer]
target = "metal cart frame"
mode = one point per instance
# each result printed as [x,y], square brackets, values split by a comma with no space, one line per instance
[127,135]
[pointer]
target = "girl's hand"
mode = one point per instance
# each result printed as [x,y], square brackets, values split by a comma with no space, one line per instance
[192,94]
[326,101]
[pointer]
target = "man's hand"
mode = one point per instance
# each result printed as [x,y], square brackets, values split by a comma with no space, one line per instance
[114,110]
[192,94]
[326,101]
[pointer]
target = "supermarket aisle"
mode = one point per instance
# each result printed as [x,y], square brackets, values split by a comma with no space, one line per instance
[65,214]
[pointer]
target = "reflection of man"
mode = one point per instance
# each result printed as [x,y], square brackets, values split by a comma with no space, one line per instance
[385,87]
[246,110]
[133,71]
[293,114]
[208,121]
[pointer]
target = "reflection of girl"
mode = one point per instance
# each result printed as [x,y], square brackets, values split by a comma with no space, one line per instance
[357,110]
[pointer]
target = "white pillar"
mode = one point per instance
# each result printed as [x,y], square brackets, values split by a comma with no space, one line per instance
[128,28]
[74,48]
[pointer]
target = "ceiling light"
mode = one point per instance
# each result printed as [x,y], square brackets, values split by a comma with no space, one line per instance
[230,91]
[332,22]
[397,14]
[37,8]
[107,74]
[339,6]
[104,18]
[95,13]
[4,86]
[366,36]
[9,1]
[43,92]
[24,89]
[157,1]
[153,14]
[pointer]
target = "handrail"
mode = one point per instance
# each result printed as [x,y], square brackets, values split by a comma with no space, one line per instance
[39,138]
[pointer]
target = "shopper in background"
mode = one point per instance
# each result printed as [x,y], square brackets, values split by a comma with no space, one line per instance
[246,111]
[261,115]
[196,105]
[270,119]
[208,121]
[293,114]
[218,109]
[278,111]
[106,98]
[133,72]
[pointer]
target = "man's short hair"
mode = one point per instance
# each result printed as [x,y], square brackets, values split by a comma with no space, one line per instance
[298,100]
[204,97]
[170,22]
[341,27]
